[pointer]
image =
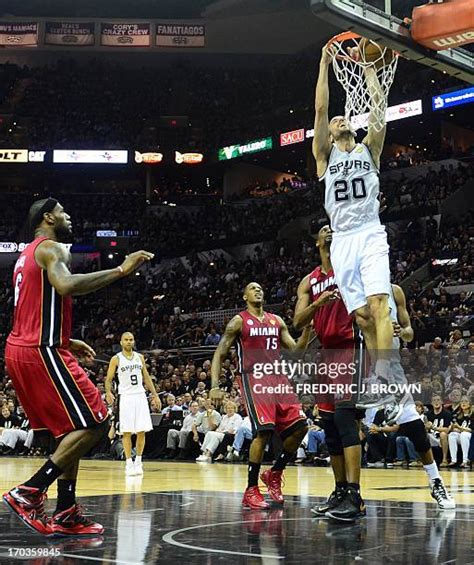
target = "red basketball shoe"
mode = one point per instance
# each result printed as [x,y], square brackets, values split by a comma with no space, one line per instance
[254,500]
[273,481]
[28,504]
[73,522]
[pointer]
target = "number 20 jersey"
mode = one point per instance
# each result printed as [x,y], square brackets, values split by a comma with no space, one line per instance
[129,372]
[352,189]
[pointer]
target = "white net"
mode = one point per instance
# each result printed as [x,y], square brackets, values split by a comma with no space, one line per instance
[366,71]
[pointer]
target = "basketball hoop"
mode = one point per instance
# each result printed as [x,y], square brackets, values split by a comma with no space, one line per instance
[353,56]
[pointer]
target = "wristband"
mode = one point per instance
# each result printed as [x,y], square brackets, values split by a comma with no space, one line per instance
[120,269]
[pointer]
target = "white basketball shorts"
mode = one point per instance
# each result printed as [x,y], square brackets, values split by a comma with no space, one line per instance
[134,413]
[361,264]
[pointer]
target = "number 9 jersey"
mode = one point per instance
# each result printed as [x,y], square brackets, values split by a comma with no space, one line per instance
[352,189]
[130,374]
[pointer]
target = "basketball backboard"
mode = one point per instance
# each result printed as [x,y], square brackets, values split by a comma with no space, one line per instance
[387,29]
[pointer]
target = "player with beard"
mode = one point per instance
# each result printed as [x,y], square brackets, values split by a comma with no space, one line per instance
[40,359]
[319,301]
[259,337]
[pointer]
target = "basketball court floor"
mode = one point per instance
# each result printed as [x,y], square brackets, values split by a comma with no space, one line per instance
[189,512]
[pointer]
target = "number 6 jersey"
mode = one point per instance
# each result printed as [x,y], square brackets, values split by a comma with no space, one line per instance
[352,189]
[129,372]
[41,317]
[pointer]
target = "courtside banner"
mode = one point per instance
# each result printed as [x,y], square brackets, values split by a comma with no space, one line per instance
[19,34]
[112,156]
[125,34]
[180,35]
[69,33]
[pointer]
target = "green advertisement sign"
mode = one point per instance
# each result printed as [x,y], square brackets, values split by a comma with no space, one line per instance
[233,151]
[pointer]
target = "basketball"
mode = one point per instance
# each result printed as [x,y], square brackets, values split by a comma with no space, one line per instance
[374,53]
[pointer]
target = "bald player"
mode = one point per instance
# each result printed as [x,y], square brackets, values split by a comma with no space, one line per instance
[134,413]
[271,404]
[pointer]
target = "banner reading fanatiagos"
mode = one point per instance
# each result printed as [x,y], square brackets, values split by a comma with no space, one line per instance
[180,35]
[68,33]
[20,34]
[125,35]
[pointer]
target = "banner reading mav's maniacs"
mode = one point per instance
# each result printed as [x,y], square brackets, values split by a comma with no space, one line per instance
[180,35]
[20,34]
[125,34]
[69,33]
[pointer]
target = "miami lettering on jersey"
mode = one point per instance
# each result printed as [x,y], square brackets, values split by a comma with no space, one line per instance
[321,286]
[264,331]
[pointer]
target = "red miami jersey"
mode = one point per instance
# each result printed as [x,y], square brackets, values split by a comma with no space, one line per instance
[332,323]
[42,317]
[259,341]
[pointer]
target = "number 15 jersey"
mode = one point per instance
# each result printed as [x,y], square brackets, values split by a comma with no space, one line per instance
[259,342]
[352,189]
[130,375]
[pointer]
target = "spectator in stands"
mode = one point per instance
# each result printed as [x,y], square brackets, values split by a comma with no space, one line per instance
[171,405]
[381,442]
[453,372]
[15,430]
[460,432]
[207,420]
[437,344]
[456,339]
[226,430]
[234,452]
[426,390]
[181,438]
[406,452]
[212,338]
[439,421]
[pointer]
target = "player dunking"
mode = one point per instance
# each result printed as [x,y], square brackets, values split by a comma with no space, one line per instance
[359,250]
[53,389]
[259,336]
[130,369]
[319,301]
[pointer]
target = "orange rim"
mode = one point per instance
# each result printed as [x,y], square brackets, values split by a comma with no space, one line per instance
[339,38]
[346,35]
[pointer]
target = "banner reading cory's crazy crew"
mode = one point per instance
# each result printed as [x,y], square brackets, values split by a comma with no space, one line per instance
[69,33]
[125,34]
[180,35]
[20,34]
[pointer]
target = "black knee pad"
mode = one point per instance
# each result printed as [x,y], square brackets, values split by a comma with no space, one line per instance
[331,435]
[415,431]
[347,427]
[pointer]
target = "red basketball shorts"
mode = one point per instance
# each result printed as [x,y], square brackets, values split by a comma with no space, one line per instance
[54,390]
[271,403]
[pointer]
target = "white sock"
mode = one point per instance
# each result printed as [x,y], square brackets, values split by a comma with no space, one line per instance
[129,461]
[138,459]
[432,471]
[381,368]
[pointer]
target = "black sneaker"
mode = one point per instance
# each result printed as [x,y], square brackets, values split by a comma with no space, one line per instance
[334,500]
[349,509]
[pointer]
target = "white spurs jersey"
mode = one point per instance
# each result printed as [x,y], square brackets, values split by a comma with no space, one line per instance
[129,372]
[352,189]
